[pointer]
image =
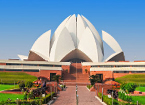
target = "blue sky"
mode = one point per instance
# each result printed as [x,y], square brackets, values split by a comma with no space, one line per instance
[23,21]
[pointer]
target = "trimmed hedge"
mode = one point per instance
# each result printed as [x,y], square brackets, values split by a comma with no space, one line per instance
[31,102]
[44,100]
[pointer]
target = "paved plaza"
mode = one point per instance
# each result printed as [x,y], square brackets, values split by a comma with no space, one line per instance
[68,97]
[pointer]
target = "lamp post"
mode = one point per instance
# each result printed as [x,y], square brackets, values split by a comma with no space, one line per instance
[39,71]
[76,95]
[76,72]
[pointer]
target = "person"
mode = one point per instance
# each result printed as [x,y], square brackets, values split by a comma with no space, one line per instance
[39,81]
[44,84]
[8,99]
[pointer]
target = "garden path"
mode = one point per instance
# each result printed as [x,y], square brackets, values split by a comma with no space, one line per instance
[68,97]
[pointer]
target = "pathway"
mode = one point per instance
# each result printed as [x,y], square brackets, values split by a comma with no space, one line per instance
[68,97]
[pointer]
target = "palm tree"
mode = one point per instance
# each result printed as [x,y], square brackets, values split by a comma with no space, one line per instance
[56,78]
[94,78]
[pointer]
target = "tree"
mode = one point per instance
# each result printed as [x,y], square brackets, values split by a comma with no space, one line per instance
[29,84]
[86,70]
[56,78]
[21,85]
[95,78]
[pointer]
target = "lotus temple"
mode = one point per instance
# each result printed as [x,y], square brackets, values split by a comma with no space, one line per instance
[75,52]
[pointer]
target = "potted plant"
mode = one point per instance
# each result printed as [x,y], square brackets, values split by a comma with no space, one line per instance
[66,70]
[86,70]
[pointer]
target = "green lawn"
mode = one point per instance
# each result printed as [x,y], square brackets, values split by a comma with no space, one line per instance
[14,77]
[141,89]
[4,97]
[140,99]
[132,78]
[7,87]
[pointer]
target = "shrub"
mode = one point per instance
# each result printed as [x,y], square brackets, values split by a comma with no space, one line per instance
[30,95]
[107,100]
[86,70]
[115,93]
[30,102]
[29,84]
[92,81]
[95,78]
[38,92]
[7,103]
[21,85]
[66,70]
[56,78]
[124,97]
[62,86]
[47,97]
[89,86]
[25,96]
[129,87]
[123,86]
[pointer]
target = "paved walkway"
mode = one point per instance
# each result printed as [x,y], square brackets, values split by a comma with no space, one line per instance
[68,97]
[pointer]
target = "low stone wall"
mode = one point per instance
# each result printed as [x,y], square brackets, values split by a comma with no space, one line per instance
[99,86]
[137,93]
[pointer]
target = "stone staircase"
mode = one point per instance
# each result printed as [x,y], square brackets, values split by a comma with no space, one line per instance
[75,76]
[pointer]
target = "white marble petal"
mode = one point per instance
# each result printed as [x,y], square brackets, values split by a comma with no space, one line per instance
[42,44]
[23,57]
[118,56]
[58,31]
[88,45]
[111,41]
[81,26]
[71,27]
[95,32]
[62,46]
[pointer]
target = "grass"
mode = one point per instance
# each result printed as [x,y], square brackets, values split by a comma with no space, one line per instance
[141,89]
[89,86]
[7,87]
[108,101]
[132,78]
[4,96]
[140,99]
[14,77]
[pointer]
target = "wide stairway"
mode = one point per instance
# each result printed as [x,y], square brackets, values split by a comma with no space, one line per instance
[75,76]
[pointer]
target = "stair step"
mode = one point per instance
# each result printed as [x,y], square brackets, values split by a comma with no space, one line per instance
[78,83]
[72,77]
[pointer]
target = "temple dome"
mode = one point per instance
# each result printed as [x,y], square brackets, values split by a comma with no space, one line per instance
[75,38]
